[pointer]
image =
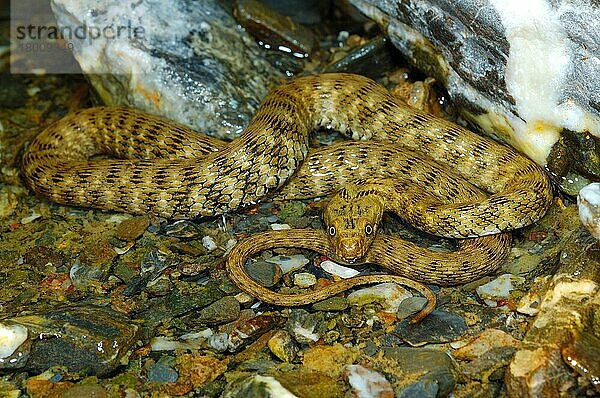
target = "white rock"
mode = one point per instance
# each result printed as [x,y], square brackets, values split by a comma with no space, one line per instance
[209,243]
[289,263]
[304,279]
[338,270]
[367,383]
[11,338]
[588,202]
[388,294]
[279,227]
[498,289]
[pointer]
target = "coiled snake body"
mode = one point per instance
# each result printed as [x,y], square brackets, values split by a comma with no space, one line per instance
[168,170]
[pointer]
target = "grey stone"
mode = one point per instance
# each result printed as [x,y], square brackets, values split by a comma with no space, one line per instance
[190,61]
[88,339]
[438,327]
[523,71]
[433,371]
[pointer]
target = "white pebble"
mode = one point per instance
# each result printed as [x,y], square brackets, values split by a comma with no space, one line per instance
[304,279]
[367,383]
[209,243]
[279,227]
[588,202]
[28,219]
[338,270]
[11,338]
[389,295]
[289,263]
[498,289]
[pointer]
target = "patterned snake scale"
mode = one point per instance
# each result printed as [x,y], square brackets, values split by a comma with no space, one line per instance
[157,166]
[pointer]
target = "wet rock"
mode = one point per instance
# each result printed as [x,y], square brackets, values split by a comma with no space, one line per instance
[370,59]
[421,389]
[499,289]
[182,299]
[582,353]
[183,229]
[189,62]
[13,92]
[209,243]
[566,310]
[92,340]
[304,279]
[196,370]
[163,371]
[433,371]
[132,228]
[338,270]
[330,360]
[159,286]
[289,263]
[257,386]
[224,310]
[410,306]
[389,295]
[367,383]
[93,265]
[305,383]
[489,365]
[304,326]
[8,202]
[483,342]
[588,201]
[266,273]
[331,304]
[438,327]
[44,258]
[283,346]
[529,304]
[273,30]
[498,59]
[12,336]
[249,330]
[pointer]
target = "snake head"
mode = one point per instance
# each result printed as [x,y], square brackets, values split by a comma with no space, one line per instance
[352,218]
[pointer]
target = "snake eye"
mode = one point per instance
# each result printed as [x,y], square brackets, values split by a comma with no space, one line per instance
[368,229]
[332,231]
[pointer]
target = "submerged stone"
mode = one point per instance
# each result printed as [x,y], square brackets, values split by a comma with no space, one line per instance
[88,339]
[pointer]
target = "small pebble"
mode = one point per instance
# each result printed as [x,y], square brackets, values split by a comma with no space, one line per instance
[266,273]
[367,383]
[588,202]
[289,263]
[11,338]
[338,270]
[162,371]
[34,216]
[389,295]
[498,289]
[304,279]
[283,346]
[132,228]
[438,327]
[209,243]
[331,304]
[529,304]
[410,306]
[483,342]
[223,310]
[279,227]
